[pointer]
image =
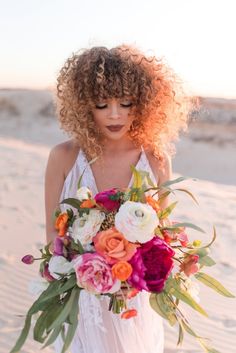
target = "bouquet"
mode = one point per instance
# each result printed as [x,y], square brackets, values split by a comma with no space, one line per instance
[117,240]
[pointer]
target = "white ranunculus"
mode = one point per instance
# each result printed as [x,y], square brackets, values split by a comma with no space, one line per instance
[83,193]
[86,227]
[37,286]
[59,265]
[136,221]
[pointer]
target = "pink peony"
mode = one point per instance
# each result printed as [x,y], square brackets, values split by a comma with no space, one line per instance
[152,264]
[103,199]
[94,274]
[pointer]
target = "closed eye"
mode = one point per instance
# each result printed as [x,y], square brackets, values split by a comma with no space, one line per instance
[126,105]
[101,106]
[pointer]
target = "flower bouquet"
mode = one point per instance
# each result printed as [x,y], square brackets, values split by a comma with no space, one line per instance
[118,243]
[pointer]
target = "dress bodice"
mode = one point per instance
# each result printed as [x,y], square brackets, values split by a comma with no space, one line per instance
[81,164]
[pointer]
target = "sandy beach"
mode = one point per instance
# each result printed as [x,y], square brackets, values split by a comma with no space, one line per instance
[28,130]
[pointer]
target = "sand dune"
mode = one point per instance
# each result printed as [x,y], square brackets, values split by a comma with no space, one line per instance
[25,141]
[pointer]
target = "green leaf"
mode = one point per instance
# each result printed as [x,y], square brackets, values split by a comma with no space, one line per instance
[206,261]
[167,211]
[73,317]
[171,182]
[181,333]
[53,336]
[40,327]
[80,179]
[137,183]
[23,335]
[163,306]
[189,193]
[68,306]
[186,297]
[200,339]
[183,224]
[214,284]
[72,202]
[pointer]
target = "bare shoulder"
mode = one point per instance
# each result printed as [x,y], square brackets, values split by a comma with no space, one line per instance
[162,170]
[63,156]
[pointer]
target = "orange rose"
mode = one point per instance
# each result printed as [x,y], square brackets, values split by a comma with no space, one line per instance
[61,224]
[129,313]
[122,270]
[153,203]
[87,204]
[113,246]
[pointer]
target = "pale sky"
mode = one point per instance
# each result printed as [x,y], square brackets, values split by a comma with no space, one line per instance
[196,37]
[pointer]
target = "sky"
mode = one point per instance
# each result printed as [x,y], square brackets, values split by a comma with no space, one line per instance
[195,37]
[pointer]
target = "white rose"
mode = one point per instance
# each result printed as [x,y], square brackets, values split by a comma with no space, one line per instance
[37,286]
[83,193]
[137,221]
[59,264]
[86,227]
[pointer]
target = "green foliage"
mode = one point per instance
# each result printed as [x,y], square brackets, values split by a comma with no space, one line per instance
[214,284]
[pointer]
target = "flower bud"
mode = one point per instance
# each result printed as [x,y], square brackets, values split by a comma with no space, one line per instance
[28,259]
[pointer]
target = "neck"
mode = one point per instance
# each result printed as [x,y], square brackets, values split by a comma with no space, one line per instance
[121,145]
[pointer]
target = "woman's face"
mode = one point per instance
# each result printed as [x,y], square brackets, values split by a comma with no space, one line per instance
[112,117]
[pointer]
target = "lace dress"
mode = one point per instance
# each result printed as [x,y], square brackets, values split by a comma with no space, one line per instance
[99,330]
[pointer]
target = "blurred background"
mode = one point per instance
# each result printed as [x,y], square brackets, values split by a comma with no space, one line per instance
[196,38]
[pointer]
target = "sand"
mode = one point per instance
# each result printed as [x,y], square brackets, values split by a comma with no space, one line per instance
[28,131]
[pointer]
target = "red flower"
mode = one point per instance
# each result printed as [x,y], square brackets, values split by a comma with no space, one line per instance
[152,264]
[104,199]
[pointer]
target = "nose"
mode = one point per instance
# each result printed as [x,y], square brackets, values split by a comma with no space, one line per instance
[114,111]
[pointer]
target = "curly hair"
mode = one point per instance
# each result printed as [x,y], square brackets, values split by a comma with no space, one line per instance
[160,106]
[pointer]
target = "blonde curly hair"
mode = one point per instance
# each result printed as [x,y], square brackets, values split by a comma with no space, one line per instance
[160,106]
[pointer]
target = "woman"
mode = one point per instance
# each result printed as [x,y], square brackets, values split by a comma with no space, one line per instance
[124,109]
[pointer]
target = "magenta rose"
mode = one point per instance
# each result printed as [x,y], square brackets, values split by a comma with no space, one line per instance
[94,274]
[152,264]
[104,199]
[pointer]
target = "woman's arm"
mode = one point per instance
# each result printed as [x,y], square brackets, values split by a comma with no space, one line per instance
[54,180]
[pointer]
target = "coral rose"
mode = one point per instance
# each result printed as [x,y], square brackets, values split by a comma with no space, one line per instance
[122,270]
[61,224]
[113,246]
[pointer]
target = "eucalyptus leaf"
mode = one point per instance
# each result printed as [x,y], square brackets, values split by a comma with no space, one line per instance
[206,261]
[176,226]
[68,306]
[167,211]
[53,336]
[214,284]
[73,316]
[72,202]
[186,297]
[24,334]
[189,193]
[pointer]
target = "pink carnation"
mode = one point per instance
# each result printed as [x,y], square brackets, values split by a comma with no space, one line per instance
[94,274]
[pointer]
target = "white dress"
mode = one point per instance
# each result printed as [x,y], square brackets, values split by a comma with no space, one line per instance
[99,330]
